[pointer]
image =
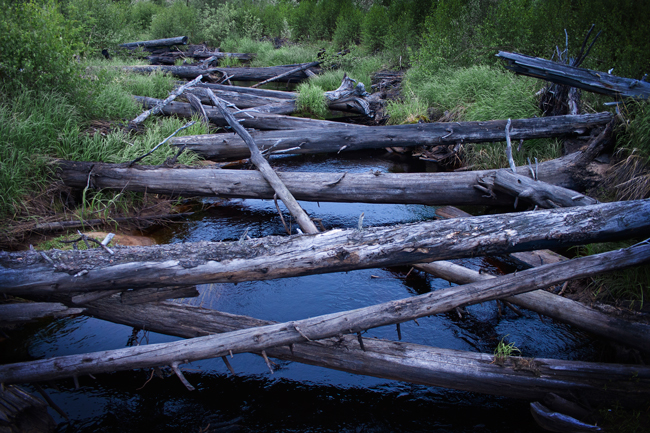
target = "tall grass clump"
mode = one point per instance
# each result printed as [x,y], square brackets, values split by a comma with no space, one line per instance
[311,98]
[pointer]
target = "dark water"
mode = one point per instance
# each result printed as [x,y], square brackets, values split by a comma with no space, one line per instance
[297,397]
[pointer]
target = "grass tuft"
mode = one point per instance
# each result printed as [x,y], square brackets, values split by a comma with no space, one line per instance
[311,98]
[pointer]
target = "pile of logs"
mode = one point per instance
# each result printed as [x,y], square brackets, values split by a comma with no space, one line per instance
[126,284]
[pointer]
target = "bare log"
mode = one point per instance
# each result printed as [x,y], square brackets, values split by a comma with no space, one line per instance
[635,335]
[249,119]
[26,273]
[287,73]
[239,73]
[241,100]
[171,57]
[329,325]
[586,79]
[262,93]
[142,296]
[538,192]
[168,42]
[218,146]
[399,188]
[265,169]
[173,95]
[407,362]
[28,311]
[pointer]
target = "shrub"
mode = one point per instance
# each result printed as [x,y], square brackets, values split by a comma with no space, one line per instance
[348,28]
[102,23]
[228,21]
[175,20]
[374,28]
[142,13]
[37,46]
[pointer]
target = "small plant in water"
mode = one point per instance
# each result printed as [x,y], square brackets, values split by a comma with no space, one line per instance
[504,350]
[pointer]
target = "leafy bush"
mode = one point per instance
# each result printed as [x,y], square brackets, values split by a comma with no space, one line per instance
[142,13]
[101,23]
[37,46]
[348,28]
[374,28]
[228,21]
[301,19]
[175,20]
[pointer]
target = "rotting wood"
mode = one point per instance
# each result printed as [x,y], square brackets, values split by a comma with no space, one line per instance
[171,57]
[586,79]
[334,140]
[262,93]
[173,95]
[539,192]
[300,68]
[398,188]
[235,73]
[179,40]
[26,273]
[249,119]
[474,372]
[29,311]
[141,296]
[633,334]
[265,168]
[329,325]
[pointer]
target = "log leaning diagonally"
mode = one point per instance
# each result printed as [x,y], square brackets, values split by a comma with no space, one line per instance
[329,325]
[25,273]
[334,140]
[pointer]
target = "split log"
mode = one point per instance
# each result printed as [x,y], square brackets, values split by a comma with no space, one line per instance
[29,311]
[635,335]
[586,79]
[328,325]
[265,169]
[453,188]
[474,372]
[218,146]
[538,192]
[28,273]
[155,43]
[249,119]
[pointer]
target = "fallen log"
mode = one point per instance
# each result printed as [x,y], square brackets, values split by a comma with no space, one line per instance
[249,119]
[218,146]
[296,70]
[262,93]
[241,100]
[453,188]
[28,311]
[635,335]
[29,273]
[155,43]
[235,73]
[66,225]
[328,325]
[173,95]
[586,79]
[474,372]
[171,57]
[265,169]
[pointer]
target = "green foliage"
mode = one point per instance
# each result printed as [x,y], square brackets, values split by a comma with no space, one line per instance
[311,98]
[142,12]
[275,18]
[101,23]
[175,20]
[374,28]
[37,46]
[504,351]
[348,28]
[228,21]
[301,20]
[635,136]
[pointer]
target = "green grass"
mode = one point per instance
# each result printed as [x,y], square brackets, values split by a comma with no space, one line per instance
[311,98]
[505,350]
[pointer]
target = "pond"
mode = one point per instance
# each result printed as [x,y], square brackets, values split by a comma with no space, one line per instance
[298,397]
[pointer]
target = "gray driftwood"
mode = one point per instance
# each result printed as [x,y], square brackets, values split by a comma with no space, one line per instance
[329,325]
[474,372]
[168,42]
[235,73]
[173,95]
[27,272]
[334,140]
[28,311]
[399,188]
[249,119]
[586,79]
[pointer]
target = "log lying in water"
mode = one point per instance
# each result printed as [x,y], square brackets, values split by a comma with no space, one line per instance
[474,372]
[221,146]
[168,42]
[329,325]
[398,188]
[28,273]
[249,119]
[592,81]
[28,311]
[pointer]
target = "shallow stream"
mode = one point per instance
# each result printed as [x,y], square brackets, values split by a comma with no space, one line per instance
[297,397]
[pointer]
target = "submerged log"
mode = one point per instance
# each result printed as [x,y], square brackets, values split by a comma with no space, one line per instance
[328,325]
[29,311]
[397,188]
[474,372]
[248,119]
[168,42]
[27,272]
[586,79]
[220,146]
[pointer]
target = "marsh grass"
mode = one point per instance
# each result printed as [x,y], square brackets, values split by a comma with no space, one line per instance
[311,98]
[505,350]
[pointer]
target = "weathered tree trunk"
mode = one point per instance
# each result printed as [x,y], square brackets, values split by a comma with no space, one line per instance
[173,95]
[171,57]
[398,188]
[235,73]
[295,70]
[179,40]
[27,272]
[407,362]
[329,325]
[218,146]
[262,93]
[241,100]
[28,311]
[586,79]
[633,334]
[249,119]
